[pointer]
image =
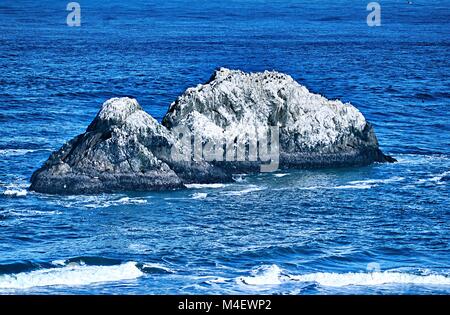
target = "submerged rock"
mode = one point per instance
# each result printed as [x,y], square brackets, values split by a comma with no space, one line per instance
[242,119]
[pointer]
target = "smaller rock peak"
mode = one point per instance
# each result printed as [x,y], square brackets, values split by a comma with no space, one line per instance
[119,108]
[222,74]
[115,111]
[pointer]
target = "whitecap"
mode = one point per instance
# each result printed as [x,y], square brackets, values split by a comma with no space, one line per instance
[308,188]
[280,175]
[436,178]
[138,248]
[371,279]
[199,196]
[15,192]
[377,181]
[70,275]
[354,186]
[128,200]
[30,213]
[264,275]
[215,280]
[15,152]
[248,189]
[351,186]
[100,201]
[274,275]
[200,186]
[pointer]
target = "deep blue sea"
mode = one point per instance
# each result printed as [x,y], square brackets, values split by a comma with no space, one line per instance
[380,229]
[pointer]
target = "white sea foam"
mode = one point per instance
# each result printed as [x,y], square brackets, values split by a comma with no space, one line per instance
[199,186]
[358,184]
[199,196]
[349,186]
[16,152]
[30,213]
[354,186]
[264,275]
[71,275]
[138,248]
[371,279]
[304,188]
[217,280]
[280,175]
[248,189]
[128,200]
[15,192]
[420,159]
[100,201]
[274,275]
[436,178]
[378,181]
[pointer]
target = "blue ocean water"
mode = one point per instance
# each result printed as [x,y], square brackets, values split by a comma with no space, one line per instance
[380,229]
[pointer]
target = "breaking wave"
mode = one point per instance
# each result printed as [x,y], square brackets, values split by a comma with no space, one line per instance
[71,274]
[15,192]
[274,275]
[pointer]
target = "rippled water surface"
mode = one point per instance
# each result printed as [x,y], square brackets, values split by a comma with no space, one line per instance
[379,229]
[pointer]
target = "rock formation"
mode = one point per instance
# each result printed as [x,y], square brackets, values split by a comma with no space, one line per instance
[232,115]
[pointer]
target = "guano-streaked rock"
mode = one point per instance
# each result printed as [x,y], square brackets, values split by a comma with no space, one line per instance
[125,149]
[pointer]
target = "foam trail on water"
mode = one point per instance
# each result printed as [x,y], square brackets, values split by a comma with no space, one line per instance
[29,213]
[274,275]
[354,186]
[371,279]
[436,178]
[248,189]
[349,186]
[199,186]
[70,275]
[100,201]
[378,181]
[19,152]
[199,196]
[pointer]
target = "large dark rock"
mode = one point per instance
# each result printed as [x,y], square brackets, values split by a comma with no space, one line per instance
[234,115]
[118,151]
